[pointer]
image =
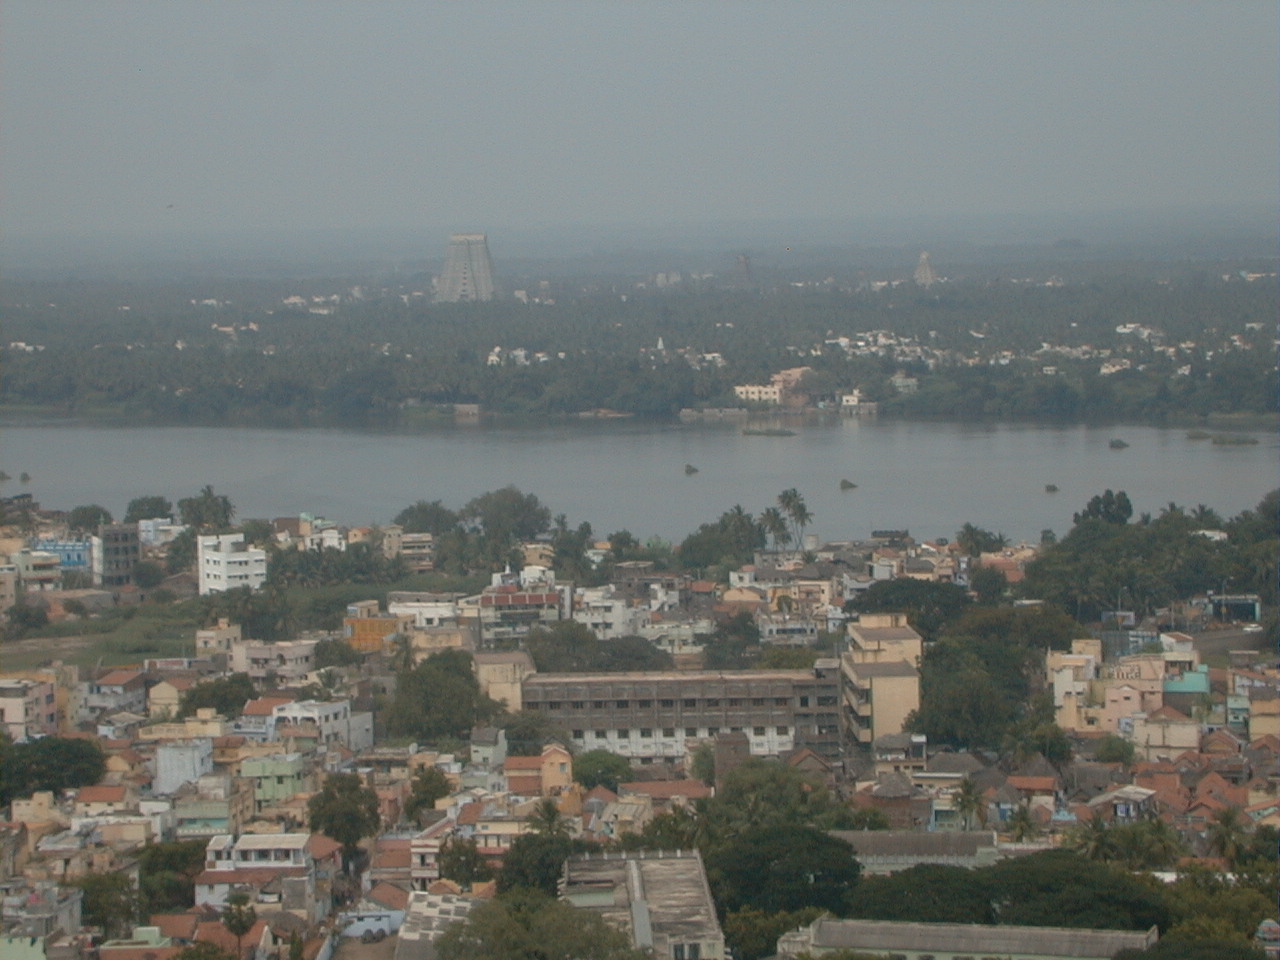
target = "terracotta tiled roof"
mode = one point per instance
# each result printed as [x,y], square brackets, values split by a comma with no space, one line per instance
[263,706]
[389,895]
[118,677]
[320,846]
[522,763]
[1167,713]
[101,793]
[469,815]
[249,876]
[212,931]
[179,926]
[393,859]
[601,792]
[524,786]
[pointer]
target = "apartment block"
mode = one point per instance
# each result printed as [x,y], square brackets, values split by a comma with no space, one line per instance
[660,716]
[225,562]
[28,708]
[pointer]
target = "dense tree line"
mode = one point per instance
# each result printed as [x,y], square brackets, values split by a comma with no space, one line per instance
[383,360]
[1108,562]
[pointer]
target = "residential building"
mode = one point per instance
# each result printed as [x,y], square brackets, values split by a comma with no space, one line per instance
[663,715]
[546,775]
[217,640]
[180,762]
[276,778]
[366,627]
[216,803]
[114,691]
[334,722]
[224,562]
[418,551]
[28,708]
[287,662]
[37,570]
[877,697]
[501,675]
[426,609]
[72,554]
[116,551]
[661,900]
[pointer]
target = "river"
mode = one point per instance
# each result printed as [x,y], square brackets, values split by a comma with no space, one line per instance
[929,478]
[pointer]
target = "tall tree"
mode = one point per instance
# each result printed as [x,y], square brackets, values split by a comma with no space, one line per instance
[148,508]
[783,868]
[428,785]
[601,768]
[345,810]
[239,917]
[530,925]
[110,902]
[87,519]
[460,861]
[207,511]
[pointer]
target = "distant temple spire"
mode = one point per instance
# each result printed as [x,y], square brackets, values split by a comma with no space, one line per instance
[924,275]
[468,270]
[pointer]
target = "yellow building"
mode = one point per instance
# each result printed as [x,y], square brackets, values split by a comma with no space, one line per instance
[501,674]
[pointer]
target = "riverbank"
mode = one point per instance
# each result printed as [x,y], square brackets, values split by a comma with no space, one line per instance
[409,419]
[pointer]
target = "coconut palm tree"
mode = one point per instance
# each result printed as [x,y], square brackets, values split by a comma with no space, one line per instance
[548,821]
[1022,826]
[775,525]
[1091,839]
[969,802]
[1227,834]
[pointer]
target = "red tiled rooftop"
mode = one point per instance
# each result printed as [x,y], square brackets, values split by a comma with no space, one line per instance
[102,793]
[389,895]
[320,846]
[179,926]
[116,678]
[263,706]
[522,763]
[667,789]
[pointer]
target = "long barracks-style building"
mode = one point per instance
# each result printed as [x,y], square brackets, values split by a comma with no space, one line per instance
[657,716]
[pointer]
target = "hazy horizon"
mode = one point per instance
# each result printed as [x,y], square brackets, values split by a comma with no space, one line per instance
[184,125]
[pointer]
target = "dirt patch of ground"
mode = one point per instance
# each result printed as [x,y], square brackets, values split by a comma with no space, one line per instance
[350,948]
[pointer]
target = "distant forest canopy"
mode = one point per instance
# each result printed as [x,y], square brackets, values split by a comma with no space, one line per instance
[1192,342]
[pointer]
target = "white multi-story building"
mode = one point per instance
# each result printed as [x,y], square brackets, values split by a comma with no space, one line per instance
[607,613]
[224,562]
[334,722]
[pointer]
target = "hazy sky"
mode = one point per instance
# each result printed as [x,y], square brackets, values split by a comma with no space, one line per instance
[194,118]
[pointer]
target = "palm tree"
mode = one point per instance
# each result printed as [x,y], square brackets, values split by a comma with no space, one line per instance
[1162,844]
[547,820]
[793,506]
[1227,834]
[776,527]
[1092,839]
[1022,826]
[969,802]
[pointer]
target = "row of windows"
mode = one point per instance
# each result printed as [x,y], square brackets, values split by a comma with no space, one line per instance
[646,733]
[689,703]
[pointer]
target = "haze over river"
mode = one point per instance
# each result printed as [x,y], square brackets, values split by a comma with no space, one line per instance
[929,478]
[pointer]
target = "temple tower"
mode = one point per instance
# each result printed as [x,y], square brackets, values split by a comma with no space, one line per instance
[468,270]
